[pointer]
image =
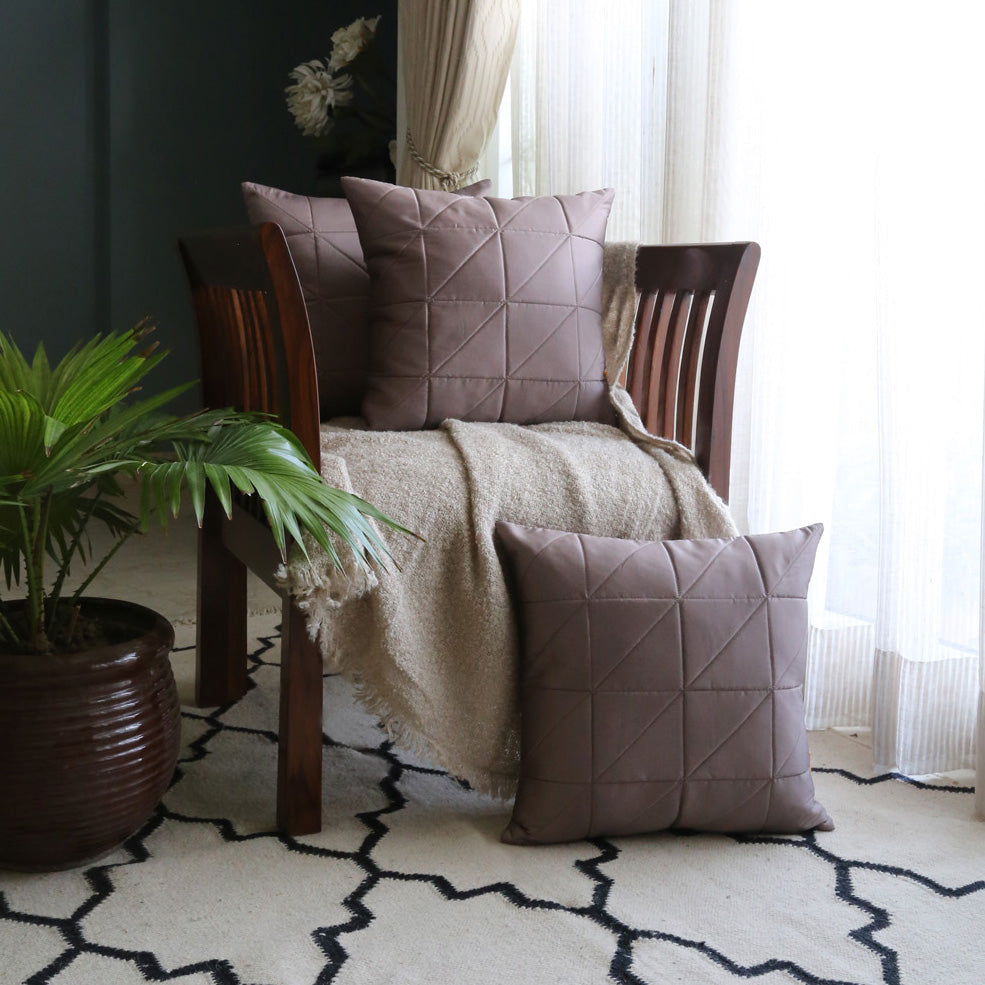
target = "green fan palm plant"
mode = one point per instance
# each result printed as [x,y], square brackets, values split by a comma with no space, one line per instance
[70,432]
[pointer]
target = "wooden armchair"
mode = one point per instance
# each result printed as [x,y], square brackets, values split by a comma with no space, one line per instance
[257,355]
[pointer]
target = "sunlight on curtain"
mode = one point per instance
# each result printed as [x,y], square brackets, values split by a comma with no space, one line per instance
[847,139]
[980,737]
[588,91]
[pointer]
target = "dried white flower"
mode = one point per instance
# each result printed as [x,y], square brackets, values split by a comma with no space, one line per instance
[314,94]
[347,42]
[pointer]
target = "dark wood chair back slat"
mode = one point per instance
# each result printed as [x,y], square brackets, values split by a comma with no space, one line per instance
[681,372]
[253,330]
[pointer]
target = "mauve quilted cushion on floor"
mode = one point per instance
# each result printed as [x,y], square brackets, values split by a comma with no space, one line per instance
[483,309]
[661,684]
[321,235]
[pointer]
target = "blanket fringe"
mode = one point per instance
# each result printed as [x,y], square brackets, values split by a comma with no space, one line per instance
[320,577]
[483,782]
[319,624]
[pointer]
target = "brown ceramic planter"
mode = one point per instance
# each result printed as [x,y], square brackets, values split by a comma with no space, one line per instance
[88,742]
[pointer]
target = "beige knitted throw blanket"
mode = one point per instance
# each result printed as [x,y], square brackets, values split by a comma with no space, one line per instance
[431,645]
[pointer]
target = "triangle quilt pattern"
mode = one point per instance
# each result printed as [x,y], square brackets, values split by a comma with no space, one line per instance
[692,710]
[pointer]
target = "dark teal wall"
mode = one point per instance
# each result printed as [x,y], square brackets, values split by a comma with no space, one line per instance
[47,162]
[127,123]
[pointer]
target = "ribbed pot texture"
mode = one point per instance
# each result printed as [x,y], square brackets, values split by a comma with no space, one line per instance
[88,742]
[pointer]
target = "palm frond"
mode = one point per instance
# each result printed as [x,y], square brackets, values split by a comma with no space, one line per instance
[22,428]
[15,370]
[85,450]
[68,432]
[267,459]
[11,549]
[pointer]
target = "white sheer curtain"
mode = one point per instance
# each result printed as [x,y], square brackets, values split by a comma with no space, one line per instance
[846,138]
[980,737]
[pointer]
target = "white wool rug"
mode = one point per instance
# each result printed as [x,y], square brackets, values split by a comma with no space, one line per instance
[408,882]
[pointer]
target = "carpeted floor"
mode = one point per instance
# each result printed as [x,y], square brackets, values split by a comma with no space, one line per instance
[408,882]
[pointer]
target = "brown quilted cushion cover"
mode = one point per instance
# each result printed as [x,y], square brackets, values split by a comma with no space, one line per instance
[662,684]
[321,235]
[484,309]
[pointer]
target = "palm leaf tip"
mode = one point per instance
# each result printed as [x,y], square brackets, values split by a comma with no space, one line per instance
[68,430]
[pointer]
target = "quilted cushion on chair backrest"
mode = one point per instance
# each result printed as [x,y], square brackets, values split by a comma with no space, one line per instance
[321,235]
[661,684]
[483,309]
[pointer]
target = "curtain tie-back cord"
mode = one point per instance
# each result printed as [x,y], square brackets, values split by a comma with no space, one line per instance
[450,180]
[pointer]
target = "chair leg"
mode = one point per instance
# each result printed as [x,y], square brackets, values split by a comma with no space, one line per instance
[299,760]
[220,662]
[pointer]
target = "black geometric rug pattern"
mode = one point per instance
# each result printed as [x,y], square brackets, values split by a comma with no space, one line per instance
[409,883]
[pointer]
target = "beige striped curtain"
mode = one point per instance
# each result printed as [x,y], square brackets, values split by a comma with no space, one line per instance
[860,392]
[455,59]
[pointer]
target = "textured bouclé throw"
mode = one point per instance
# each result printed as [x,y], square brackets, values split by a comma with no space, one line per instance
[431,645]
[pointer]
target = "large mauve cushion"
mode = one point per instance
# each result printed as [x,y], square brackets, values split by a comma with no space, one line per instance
[483,309]
[661,684]
[321,235]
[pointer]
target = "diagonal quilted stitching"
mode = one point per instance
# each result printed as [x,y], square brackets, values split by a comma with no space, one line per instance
[311,221]
[724,646]
[628,822]
[290,220]
[650,629]
[415,238]
[511,221]
[580,541]
[506,222]
[808,543]
[574,230]
[556,724]
[779,673]
[547,409]
[574,279]
[735,729]
[477,202]
[644,545]
[494,234]
[591,287]
[718,821]
[564,616]
[410,392]
[495,386]
[563,321]
[469,338]
[766,697]
[778,768]
[323,242]
[533,273]
[532,557]
[384,228]
[563,804]
[681,590]
[599,771]
[459,253]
